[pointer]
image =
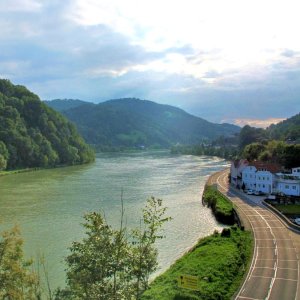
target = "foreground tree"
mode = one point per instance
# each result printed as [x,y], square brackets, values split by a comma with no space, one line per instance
[17,280]
[114,264]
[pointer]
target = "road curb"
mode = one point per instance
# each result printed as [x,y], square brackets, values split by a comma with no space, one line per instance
[290,225]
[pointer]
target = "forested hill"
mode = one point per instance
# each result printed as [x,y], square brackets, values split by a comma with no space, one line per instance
[133,122]
[288,129]
[34,135]
[65,104]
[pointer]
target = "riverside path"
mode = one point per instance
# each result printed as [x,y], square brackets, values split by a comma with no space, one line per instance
[274,271]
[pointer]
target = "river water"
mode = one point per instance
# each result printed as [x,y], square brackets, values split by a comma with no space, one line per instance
[48,205]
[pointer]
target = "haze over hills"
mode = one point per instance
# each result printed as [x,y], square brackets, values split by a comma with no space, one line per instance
[132,122]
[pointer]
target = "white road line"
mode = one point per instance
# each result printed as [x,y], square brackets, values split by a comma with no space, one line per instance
[273,279]
[279,260]
[278,248]
[249,298]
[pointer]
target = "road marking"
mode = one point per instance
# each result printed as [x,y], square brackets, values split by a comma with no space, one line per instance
[248,298]
[273,239]
[268,218]
[284,248]
[272,281]
[268,227]
[279,260]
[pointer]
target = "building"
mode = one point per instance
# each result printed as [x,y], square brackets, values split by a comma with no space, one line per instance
[288,184]
[236,168]
[296,172]
[264,177]
[260,176]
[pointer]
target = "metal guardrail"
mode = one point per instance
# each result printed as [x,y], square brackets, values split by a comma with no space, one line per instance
[291,225]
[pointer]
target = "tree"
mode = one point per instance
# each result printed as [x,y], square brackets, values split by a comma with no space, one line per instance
[114,263]
[17,281]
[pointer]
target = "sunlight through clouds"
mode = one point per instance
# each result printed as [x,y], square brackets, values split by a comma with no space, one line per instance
[211,58]
[245,33]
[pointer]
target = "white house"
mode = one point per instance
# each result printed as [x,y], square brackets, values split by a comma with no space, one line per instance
[249,177]
[259,176]
[289,184]
[265,182]
[236,169]
[296,172]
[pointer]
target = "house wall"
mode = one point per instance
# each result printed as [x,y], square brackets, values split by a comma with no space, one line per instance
[236,172]
[264,182]
[288,187]
[248,177]
[296,172]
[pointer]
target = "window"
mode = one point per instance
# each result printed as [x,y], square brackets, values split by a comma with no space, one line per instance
[263,178]
[263,185]
[287,186]
[294,187]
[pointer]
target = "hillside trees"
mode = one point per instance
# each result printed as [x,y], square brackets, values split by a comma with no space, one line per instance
[274,151]
[34,135]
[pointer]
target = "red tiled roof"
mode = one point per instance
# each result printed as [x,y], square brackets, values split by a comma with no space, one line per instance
[271,167]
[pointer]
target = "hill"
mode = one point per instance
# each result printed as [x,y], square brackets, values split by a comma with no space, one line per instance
[65,104]
[288,129]
[34,135]
[133,122]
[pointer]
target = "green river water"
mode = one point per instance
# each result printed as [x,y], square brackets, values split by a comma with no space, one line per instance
[48,205]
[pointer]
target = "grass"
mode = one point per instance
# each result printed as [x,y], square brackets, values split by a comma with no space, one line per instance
[288,209]
[219,261]
[220,205]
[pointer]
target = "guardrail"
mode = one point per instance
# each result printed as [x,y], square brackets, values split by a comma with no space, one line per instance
[290,224]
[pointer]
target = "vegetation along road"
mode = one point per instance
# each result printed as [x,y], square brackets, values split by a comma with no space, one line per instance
[274,271]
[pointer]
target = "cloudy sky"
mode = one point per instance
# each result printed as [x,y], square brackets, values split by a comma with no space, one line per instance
[232,61]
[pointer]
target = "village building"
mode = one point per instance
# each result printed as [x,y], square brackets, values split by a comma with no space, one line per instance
[288,184]
[236,169]
[260,176]
[265,178]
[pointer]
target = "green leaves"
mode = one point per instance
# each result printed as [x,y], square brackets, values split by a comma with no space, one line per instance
[17,281]
[114,263]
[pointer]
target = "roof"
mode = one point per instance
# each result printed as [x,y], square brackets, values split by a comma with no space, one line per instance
[262,166]
[239,162]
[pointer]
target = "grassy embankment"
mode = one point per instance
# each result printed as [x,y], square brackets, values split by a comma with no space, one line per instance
[220,205]
[290,209]
[219,261]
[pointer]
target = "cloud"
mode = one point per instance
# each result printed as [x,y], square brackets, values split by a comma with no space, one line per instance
[216,63]
[254,122]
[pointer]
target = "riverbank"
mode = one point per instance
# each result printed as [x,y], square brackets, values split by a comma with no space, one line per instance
[26,170]
[4,173]
[219,262]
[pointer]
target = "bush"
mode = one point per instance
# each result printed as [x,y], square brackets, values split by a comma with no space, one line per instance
[220,205]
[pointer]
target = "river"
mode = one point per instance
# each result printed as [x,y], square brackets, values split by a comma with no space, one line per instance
[48,205]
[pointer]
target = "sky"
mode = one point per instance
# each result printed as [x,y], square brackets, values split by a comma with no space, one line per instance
[235,61]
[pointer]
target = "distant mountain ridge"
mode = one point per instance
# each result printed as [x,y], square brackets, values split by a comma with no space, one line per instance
[131,122]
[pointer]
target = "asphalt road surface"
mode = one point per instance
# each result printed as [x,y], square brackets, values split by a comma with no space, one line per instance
[274,271]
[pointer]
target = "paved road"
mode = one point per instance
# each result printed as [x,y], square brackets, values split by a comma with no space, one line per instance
[274,272]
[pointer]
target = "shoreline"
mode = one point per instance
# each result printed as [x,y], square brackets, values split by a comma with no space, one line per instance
[187,261]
